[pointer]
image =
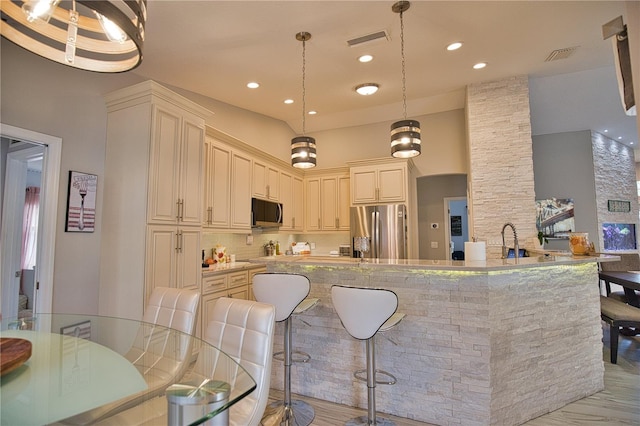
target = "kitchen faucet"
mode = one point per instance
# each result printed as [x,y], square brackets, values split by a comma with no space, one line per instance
[516,249]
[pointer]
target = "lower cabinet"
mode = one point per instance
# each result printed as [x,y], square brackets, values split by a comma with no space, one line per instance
[233,284]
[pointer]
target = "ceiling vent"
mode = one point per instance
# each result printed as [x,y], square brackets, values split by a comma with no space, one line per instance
[561,54]
[377,36]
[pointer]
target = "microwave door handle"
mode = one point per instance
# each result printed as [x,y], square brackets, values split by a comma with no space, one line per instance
[279,218]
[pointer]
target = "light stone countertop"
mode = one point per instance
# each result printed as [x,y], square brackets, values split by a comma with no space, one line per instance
[230,267]
[446,265]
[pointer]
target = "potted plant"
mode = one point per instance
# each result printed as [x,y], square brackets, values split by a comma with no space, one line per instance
[542,239]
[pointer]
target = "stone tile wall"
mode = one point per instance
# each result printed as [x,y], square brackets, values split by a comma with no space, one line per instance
[476,348]
[501,183]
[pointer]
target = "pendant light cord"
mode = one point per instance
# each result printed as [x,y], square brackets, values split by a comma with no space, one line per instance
[404,76]
[303,87]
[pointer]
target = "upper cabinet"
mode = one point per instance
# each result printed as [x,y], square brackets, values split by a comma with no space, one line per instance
[292,199]
[217,184]
[240,191]
[266,181]
[327,202]
[176,167]
[380,183]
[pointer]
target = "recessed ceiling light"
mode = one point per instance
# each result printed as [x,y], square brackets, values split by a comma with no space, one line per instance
[454,46]
[630,143]
[253,85]
[365,58]
[312,112]
[479,65]
[619,137]
[288,101]
[366,89]
[606,130]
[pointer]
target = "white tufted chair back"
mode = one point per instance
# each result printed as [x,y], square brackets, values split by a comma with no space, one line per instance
[284,291]
[363,310]
[243,329]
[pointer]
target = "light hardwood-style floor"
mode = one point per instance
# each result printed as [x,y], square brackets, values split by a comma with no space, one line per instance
[617,404]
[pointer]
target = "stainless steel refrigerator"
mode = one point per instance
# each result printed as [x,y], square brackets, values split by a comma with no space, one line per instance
[386,228]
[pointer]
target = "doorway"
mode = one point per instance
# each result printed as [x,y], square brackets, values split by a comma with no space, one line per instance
[456,225]
[16,162]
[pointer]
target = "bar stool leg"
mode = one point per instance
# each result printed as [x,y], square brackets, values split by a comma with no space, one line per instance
[294,412]
[371,418]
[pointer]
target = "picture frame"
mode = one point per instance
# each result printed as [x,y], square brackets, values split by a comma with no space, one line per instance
[81,202]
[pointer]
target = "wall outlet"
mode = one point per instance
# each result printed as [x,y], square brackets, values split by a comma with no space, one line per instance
[434,244]
[249,240]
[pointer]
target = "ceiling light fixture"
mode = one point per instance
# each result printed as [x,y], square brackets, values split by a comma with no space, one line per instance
[405,134]
[365,58]
[303,148]
[102,36]
[253,85]
[479,65]
[454,46]
[288,101]
[367,89]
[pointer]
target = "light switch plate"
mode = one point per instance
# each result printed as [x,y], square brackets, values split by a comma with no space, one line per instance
[249,240]
[434,244]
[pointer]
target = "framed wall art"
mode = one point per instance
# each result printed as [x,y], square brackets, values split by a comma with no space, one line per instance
[81,202]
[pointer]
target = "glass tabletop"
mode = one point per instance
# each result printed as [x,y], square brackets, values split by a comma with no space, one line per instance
[85,369]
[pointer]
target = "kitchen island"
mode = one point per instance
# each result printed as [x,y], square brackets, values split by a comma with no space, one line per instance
[494,342]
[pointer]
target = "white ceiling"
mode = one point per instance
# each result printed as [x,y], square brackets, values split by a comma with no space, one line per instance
[216,47]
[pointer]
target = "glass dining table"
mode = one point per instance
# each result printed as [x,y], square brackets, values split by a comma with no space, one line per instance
[85,369]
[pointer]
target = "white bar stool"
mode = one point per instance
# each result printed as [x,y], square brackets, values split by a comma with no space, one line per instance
[286,292]
[363,312]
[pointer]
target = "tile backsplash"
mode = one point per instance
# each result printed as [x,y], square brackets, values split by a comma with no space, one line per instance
[237,243]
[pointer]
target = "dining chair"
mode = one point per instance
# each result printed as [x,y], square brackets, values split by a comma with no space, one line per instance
[243,329]
[156,346]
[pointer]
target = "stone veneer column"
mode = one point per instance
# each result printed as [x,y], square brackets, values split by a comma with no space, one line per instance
[501,184]
[615,179]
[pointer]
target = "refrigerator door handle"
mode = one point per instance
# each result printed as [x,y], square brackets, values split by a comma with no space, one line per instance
[375,246]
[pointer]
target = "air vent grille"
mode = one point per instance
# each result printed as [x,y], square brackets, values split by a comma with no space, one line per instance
[379,35]
[561,54]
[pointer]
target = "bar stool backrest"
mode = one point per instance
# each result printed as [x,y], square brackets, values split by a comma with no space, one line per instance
[284,291]
[363,310]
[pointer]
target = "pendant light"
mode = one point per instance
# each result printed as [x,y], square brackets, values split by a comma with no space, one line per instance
[102,36]
[303,148]
[405,134]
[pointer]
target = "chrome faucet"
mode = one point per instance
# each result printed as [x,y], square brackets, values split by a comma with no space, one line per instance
[516,249]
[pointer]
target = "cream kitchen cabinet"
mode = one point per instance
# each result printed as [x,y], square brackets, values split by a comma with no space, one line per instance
[252,273]
[226,284]
[217,185]
[176,171]
[292,199]
[240,191]
[152,196]
[173,258]
[381,183]
[266,181]
[327,203]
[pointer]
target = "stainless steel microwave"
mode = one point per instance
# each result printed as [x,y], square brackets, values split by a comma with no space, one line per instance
[265,214]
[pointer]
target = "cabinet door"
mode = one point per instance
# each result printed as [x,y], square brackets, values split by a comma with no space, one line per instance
[207,303]
[189,258]
[207,183]
[364,186]
[273,184]
[312,221]
[259,180]
[286,198]
[329,200]
[164,169]
[239,292]
[162,244]
[221,187]
[392,183]
[240,192]
[191,173]
[298,204]
[344,202]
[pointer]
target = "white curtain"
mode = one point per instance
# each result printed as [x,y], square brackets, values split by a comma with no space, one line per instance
[30,227]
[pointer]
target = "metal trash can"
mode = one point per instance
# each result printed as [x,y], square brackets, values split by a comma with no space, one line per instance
[191,401]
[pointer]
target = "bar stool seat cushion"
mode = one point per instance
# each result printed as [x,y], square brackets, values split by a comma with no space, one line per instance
[284,291]
[363,311]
